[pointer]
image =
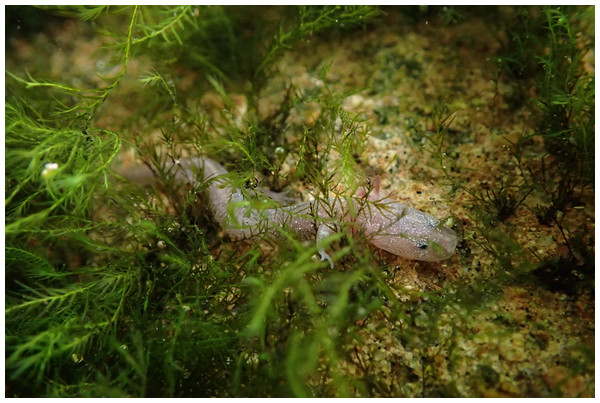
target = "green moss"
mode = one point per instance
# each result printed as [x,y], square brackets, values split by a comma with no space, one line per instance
[116,290]
[545,48]
[131,301]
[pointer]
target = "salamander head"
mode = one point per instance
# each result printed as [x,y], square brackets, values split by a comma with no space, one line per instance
[410,233]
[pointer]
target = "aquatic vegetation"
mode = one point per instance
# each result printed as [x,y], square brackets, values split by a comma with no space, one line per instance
[551,46]
[114,289]
[573,270]
[550,56]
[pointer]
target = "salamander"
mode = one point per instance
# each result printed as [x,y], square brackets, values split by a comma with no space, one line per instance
[387,224]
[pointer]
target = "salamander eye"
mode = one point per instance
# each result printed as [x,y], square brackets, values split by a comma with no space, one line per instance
[422,245]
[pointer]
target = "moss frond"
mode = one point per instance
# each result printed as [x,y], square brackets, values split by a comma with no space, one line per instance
[114,289]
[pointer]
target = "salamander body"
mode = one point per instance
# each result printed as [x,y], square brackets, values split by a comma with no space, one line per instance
[387,224]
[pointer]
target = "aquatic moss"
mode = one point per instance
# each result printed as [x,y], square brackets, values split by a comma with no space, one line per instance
[108,295]
[118,290]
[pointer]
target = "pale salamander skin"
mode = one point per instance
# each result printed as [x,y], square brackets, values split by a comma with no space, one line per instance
[387,224]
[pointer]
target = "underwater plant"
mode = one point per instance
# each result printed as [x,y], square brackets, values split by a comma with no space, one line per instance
[119,289]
